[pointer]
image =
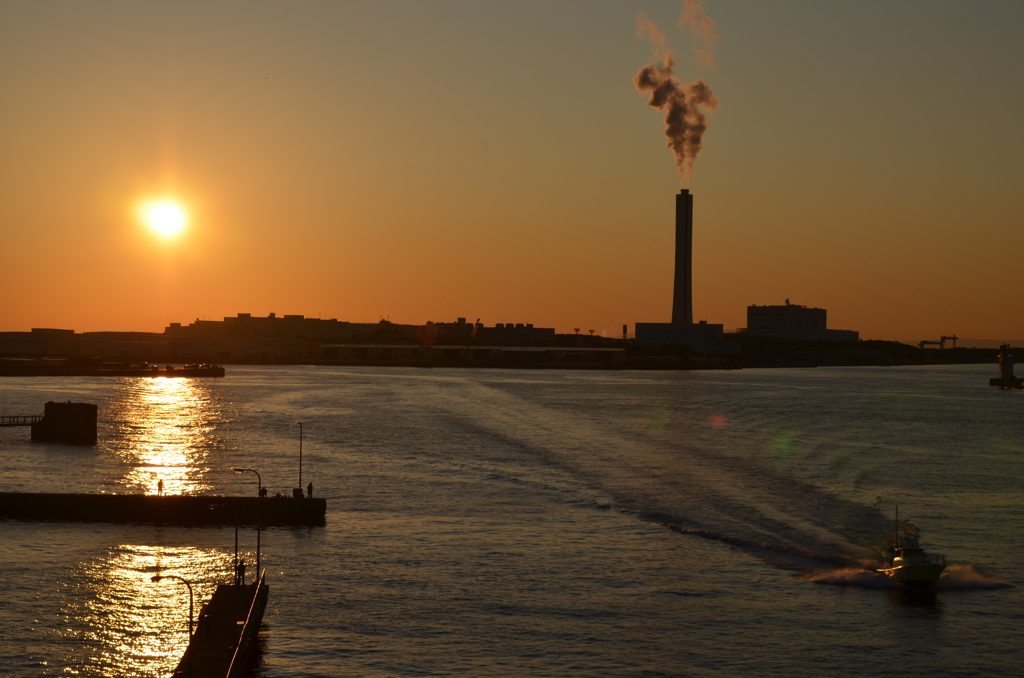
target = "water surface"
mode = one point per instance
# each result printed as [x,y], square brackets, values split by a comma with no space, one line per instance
[536,523]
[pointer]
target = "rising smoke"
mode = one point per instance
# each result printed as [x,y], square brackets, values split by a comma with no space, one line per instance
[683,103]
[702,29]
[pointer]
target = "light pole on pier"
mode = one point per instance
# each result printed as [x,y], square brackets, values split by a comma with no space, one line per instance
[158,577]
[259,513]
[232,508]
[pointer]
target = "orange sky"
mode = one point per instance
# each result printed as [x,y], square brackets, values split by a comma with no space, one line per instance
[424,161]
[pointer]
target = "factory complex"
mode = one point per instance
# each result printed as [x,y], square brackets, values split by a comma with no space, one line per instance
[245,338]
[788,321]
[273,338]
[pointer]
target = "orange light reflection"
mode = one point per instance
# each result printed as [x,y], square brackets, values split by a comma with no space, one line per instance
[130,625]
[165,428]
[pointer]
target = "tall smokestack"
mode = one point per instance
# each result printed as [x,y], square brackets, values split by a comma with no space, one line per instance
[682,294]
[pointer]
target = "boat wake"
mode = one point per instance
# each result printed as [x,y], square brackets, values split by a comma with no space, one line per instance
[784,556]
[962,576]
[852,576]
[958,577]
[678,476]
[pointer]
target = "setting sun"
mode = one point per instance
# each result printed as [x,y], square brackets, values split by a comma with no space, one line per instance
[166,218]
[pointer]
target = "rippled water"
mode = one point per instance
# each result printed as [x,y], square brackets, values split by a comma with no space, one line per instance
[536,523]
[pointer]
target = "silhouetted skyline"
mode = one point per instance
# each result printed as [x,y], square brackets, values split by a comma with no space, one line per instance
[413,161]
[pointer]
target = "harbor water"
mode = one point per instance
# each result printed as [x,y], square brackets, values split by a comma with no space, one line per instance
[535,523]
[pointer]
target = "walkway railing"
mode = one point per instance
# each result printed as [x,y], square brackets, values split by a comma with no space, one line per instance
[21,420]
[247,638]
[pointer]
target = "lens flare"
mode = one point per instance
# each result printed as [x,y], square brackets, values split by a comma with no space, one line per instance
[783,443]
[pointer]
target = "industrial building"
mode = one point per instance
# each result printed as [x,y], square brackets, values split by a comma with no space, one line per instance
[248,338]
[245,326]
[703,337]
[793,321]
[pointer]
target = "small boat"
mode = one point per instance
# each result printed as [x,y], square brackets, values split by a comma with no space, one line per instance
[906,562]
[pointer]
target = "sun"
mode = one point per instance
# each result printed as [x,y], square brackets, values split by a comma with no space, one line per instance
[166,218]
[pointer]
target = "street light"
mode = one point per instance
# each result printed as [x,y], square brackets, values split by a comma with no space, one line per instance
[158,577]
[227,506]
[300,456]
[259,512]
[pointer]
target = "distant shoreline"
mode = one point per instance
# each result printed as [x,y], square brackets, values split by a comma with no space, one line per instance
[864,354]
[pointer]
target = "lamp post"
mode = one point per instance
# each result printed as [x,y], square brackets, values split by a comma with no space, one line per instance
[300,456]
[158,577]
[259,512]
[232,508]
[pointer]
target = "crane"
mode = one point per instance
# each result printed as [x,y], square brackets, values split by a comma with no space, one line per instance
[472,333]
[941,343]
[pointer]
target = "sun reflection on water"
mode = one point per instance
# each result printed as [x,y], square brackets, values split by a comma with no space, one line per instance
[165,431]
[127,625]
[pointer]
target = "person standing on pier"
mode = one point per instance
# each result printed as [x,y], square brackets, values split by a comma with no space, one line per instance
[160,488]
[309,490]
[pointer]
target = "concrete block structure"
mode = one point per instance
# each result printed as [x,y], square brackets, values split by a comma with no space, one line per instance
[70,423]
[702,337]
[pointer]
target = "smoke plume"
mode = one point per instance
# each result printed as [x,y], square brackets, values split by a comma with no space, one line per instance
[647,28]
[702,29]
[683,103]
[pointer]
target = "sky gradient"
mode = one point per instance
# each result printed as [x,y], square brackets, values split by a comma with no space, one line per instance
[424,161]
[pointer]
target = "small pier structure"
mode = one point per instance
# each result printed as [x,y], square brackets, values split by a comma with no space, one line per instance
[1006,378]
[224,644]
[69,423]
[19,420]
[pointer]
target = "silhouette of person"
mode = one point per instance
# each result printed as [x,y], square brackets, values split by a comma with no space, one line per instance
[241,572]
[309,488]
[263,491]
[160,487]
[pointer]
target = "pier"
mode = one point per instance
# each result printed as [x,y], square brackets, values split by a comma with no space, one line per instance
[69,423]
[224,643]
[164,510]
[20,420]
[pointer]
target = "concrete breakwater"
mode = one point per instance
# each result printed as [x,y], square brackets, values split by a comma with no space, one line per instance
[172,509]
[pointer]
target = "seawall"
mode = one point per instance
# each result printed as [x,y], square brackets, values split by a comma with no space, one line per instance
[173,509]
